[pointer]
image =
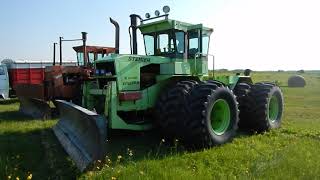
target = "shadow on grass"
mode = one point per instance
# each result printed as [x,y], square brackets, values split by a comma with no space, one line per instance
[8,101]
[149,145]
[40,153]
[36,152]
[141,145]
[14,116]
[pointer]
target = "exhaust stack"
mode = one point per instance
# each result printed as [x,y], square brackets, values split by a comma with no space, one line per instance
[117,35]
[133,26]
[84,46]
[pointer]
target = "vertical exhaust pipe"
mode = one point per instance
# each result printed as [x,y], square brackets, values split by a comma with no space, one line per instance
[117,35]
[84,40]
[134,18]
[54,54]
[60,45]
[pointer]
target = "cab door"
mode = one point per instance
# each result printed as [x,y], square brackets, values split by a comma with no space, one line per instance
[196,52]
[4,82]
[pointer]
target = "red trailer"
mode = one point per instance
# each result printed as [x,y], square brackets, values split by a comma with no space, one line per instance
[23,72]
[28,72]
[38,83]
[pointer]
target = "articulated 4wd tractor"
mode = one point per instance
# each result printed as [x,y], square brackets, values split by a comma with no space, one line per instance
[164,89]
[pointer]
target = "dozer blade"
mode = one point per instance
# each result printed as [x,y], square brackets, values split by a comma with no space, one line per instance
[82,133]
[35,108]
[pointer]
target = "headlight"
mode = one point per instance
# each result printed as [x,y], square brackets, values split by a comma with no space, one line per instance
[166,9]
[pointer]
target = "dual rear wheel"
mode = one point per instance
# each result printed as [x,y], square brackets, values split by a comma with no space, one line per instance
[204,114]
[200,114]
[261,106]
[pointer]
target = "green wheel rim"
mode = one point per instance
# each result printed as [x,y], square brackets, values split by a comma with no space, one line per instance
[220,117]
[273,109]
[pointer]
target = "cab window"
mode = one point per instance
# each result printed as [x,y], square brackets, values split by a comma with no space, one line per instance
[180,42]
[80,58]
[163,43]
[91,57]
[99,56]
[205,45]
[193,42]
[149,44]
[2,72]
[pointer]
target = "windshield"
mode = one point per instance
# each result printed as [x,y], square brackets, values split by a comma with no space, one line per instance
[168,44]
[91,57]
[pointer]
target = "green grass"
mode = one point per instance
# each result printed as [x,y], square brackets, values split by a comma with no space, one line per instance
[292,152]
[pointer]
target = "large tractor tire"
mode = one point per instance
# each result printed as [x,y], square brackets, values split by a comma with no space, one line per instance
[170,107]
[245,104]
[212,116]
[261,107]
[268,108]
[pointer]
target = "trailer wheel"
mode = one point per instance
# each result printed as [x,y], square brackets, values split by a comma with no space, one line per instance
[212,116]
[267,108]
[169,108]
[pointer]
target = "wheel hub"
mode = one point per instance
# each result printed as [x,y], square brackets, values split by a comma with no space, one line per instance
[220,117]
[273,110]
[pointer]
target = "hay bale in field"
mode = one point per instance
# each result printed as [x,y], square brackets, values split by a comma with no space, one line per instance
[296,81]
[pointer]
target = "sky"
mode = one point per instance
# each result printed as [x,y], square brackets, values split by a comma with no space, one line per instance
[255,34]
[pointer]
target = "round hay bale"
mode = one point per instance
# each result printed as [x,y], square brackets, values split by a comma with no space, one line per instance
[296,81]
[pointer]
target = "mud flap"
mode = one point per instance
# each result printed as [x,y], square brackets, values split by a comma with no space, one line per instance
[82,133]
[35,108]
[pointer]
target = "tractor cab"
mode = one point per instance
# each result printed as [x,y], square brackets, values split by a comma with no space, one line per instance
[93,53]
[175,39]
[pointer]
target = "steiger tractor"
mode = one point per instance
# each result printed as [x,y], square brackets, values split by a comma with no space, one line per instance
[164,89]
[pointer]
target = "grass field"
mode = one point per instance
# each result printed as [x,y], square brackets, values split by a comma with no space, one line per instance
[29,148]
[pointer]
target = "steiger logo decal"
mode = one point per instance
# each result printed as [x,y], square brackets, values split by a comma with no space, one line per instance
[139,59]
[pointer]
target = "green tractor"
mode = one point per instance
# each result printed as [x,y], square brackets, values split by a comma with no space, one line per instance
[164,89]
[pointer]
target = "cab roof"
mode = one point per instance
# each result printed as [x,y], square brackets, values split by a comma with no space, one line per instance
[168,24]
[95,49]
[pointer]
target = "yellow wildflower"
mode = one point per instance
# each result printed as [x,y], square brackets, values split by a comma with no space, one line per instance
[29,177]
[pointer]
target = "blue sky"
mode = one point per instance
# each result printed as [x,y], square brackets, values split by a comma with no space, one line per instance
[256,34]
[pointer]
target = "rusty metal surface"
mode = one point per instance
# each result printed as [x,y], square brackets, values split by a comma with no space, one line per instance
[31,91]
[57,81]
[95,49]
